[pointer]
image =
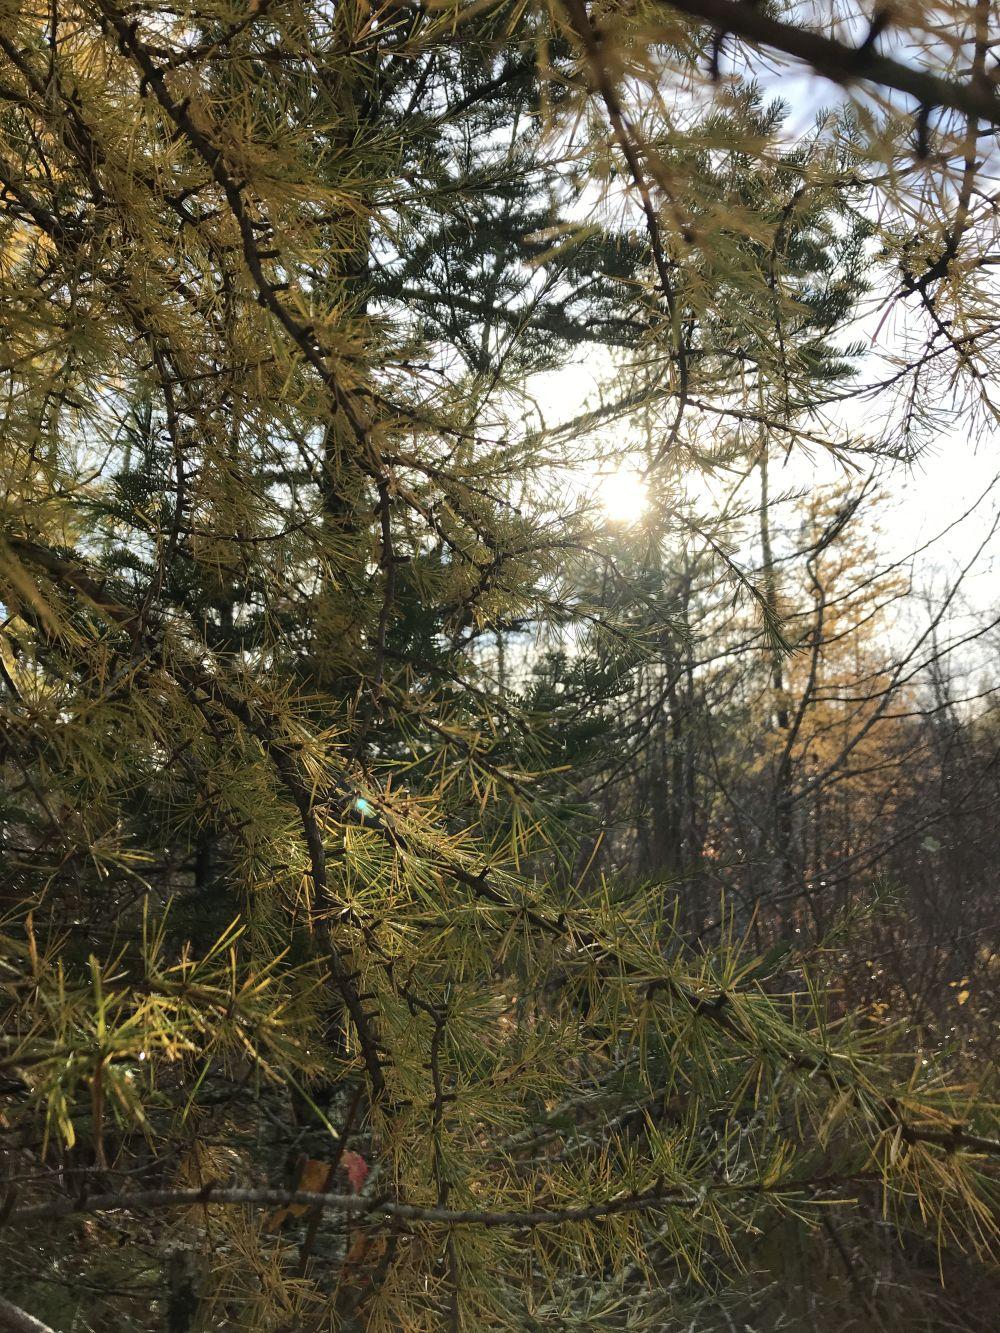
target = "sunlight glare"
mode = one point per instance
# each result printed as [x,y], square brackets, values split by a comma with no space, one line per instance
[622,495]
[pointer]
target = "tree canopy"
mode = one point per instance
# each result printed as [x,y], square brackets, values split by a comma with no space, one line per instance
[324,1003]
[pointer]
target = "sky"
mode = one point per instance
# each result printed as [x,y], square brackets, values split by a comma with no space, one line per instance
[926,495]
[936,513]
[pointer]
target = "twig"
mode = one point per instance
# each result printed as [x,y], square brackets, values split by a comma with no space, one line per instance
[19,1321]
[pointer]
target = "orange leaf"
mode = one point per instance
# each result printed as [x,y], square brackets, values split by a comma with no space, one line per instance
[314,1177]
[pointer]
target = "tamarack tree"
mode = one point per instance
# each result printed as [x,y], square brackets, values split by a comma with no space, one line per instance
[299,1030]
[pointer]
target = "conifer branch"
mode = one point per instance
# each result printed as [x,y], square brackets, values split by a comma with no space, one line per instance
[719,1008]
[839,61]
[76,577]
[592,39]
[293,849]
[268,292]
[16,1320]
[646,1201]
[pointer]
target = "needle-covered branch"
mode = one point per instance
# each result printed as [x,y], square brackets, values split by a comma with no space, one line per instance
[329,986]
[649,1201]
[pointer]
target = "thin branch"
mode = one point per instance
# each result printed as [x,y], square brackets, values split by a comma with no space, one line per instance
[19,1321]
[842,63]
[646,1201]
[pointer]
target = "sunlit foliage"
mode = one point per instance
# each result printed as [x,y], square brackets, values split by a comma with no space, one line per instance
[280,851]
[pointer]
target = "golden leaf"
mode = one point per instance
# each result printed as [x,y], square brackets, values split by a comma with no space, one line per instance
[314,1178]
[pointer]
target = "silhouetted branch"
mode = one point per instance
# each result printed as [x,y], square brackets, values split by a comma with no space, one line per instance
[842,63]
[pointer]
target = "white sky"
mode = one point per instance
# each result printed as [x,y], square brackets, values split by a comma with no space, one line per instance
[926,506]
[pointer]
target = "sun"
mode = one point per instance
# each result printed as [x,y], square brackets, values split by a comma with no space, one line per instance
[622,495]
